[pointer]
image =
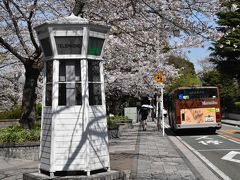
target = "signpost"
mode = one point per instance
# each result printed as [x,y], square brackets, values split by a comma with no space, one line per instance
[159,79]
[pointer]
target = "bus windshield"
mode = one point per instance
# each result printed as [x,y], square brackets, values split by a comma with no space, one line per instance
[197,93]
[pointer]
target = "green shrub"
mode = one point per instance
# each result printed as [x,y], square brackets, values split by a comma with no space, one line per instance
[14,113]
[37,124]
[119,118]
[18,135]
[111,124]
[3,115]
[38,110]
[237,105]
[113,121]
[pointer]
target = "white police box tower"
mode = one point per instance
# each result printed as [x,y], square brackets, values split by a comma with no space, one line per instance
[74,126]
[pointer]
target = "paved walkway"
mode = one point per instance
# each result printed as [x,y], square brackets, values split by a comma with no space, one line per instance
[231,122]
[148,155]
[13,169]
[141,154]
[158,157]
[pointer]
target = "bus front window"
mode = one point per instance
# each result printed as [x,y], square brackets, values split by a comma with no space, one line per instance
[202,93]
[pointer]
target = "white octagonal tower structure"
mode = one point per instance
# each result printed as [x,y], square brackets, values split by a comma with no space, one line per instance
[74,124]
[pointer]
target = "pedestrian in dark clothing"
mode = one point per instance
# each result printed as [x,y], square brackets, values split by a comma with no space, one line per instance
[144,114]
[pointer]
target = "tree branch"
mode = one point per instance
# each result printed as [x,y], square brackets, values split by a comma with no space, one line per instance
[133,4]
[190,8]
[8,64]
[15,24]
[12,50]
[30,29]
[38,51]
[17,7]
[164,18]
[78,7]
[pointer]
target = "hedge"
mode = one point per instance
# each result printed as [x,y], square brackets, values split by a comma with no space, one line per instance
[16,134]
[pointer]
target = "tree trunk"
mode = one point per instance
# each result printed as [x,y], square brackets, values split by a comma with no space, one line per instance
[116,107]
[29,97]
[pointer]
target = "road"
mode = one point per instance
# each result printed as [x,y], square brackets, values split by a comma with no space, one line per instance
[220,151]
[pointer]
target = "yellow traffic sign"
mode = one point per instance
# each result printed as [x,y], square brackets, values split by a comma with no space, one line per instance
[159,77]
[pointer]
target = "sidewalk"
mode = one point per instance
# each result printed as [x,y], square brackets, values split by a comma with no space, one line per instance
[148,155]
[231,122]
[12,169]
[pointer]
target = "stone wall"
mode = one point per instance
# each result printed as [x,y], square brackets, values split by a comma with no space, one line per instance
[28,151]
[8,122]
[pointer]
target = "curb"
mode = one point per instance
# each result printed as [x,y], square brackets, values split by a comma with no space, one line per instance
[232,124]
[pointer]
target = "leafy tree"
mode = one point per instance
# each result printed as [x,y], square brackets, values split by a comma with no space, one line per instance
[229,88]
[187,73]
[226,55]
[212,78]
[185,80]
[226,51]
[181,63]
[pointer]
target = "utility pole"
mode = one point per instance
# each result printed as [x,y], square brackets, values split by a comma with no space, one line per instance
[161,107]
[159,78]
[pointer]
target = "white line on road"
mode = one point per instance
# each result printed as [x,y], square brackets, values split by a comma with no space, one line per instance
[230,156]
[229,139]
[218,150]
[197,163]
[212,166]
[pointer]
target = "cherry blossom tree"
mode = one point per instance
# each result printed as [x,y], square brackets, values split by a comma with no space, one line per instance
[10,83]
[142,34]
[17,38]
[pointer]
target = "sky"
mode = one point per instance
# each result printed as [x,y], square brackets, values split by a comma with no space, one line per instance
[195,54]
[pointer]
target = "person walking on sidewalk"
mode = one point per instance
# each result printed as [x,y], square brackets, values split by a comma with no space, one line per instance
[144,114]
